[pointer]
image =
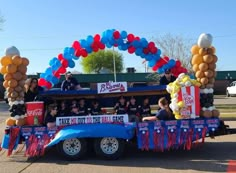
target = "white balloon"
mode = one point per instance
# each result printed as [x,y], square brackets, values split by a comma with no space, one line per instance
[204,108]
[188,83]
[211,90]
[205,40]
[12,51]
[210,108]
[206,91]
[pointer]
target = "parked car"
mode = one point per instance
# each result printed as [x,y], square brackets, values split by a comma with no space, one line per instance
[231,89]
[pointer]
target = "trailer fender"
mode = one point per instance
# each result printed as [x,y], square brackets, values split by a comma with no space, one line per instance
[126,131]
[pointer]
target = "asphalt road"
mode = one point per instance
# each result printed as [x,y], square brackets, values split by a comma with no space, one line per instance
[213,156]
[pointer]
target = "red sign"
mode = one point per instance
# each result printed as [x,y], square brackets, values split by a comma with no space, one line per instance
[34,111]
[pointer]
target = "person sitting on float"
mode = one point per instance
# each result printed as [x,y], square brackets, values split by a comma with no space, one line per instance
[70,83]
[163,114]
[32,89]
[63,109]
[95,108]
[167,78]
[50,119]
[120,107]
[133,110]
[75,110]
[145,109]
[83,110]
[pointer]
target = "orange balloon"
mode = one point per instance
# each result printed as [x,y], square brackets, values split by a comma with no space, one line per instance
[25,61]
[7,76]
[212,66]
[213,49]
[16,60]
[211,80]
[210,51]
[9,89]
[208,58]
[12,83]
[18,76]
[3,70]
[203,51]
[216,113]
[14,94]
[207,114]
[195,49]
[204,80]
[10,122]
[5,84]
[203,67]
[6,60]
[199,74]
[197,59]
[22,68]
[215,58]
[209,73]
[11,68]
[195,67]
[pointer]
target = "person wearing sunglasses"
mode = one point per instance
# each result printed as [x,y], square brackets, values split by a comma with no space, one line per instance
[167,78]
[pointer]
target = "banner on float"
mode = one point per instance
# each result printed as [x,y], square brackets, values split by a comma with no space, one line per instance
[63,121]
[191,98]
[111,87]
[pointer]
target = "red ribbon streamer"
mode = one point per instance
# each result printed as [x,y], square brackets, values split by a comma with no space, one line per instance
[14,132]
[145,140]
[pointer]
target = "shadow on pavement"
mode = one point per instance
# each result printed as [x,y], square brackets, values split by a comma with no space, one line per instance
[211,157]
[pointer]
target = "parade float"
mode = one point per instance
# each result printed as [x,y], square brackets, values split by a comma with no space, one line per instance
[191,102]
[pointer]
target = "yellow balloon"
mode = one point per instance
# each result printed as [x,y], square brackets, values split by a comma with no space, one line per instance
[195,49]
[180,104]
[185,79]
[6,60]
[177,116]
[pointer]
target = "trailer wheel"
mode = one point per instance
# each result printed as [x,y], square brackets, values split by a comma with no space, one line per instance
[72,149]
[109,148]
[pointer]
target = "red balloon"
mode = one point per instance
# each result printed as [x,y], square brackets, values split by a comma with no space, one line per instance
[130,37]
[151,45]
[153,50]
[76,45]
[48,85]
[145,50]
[97,38]
[60,57]
[154,68]
[116,45]
[61,70]
[64,63]
[77,53]
[42,82]
[84,53]
[95,46]
[56,74]
[177,63]
[166,58]
[116,35]
[137,38]
[102,46]
[131,49]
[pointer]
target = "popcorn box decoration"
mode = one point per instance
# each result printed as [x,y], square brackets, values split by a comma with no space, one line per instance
[191,98]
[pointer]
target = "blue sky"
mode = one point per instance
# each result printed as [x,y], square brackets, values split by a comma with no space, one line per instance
[42,29]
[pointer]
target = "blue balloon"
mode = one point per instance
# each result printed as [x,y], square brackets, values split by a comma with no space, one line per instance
[71,50]
[124,47]
[48,78]
[90,39]
[67,56]
[71,64]
[160,70]
[66,50]
[48,71]
[54,80]
[42,75]
[52,61]
[123,34]
[104,40]
[151,63]
[148,57]
[171,63]
[83,43]
[108,45]
[144,42]
[136,43]
[159,52]
[138,51]
[89,49]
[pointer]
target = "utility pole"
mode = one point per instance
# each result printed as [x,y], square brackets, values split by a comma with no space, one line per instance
[114,64]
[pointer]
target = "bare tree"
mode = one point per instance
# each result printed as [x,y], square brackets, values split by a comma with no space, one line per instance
[176,47]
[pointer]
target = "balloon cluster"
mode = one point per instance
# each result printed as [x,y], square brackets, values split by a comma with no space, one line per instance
[174,88]
[204,65]
[109,38]
[13,68]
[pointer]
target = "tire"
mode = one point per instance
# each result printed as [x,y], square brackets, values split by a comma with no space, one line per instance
[227,93]
[72,149]
[109,148]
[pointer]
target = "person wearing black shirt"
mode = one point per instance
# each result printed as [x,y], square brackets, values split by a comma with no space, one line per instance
[70,83]
[31,89]
[145,109]
[63,109]
[167,78]
[75,110]
[50,119]
[132,110]
[95,108]
[120,107]
[83,110]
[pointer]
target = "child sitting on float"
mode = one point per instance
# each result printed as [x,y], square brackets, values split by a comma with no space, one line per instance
[133,110]
[145,109]
[74,110]
[95,108]
[63,109]
[163,114]
[120,107]
[50,119]
[83,110]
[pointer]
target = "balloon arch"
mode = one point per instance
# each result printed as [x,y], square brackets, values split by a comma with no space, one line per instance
[124,41]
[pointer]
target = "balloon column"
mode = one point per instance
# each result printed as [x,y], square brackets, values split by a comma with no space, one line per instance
[14,69]
[173,88]
[109,38]
[204,65]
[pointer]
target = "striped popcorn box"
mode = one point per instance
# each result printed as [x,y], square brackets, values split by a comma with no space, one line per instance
[191,98]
